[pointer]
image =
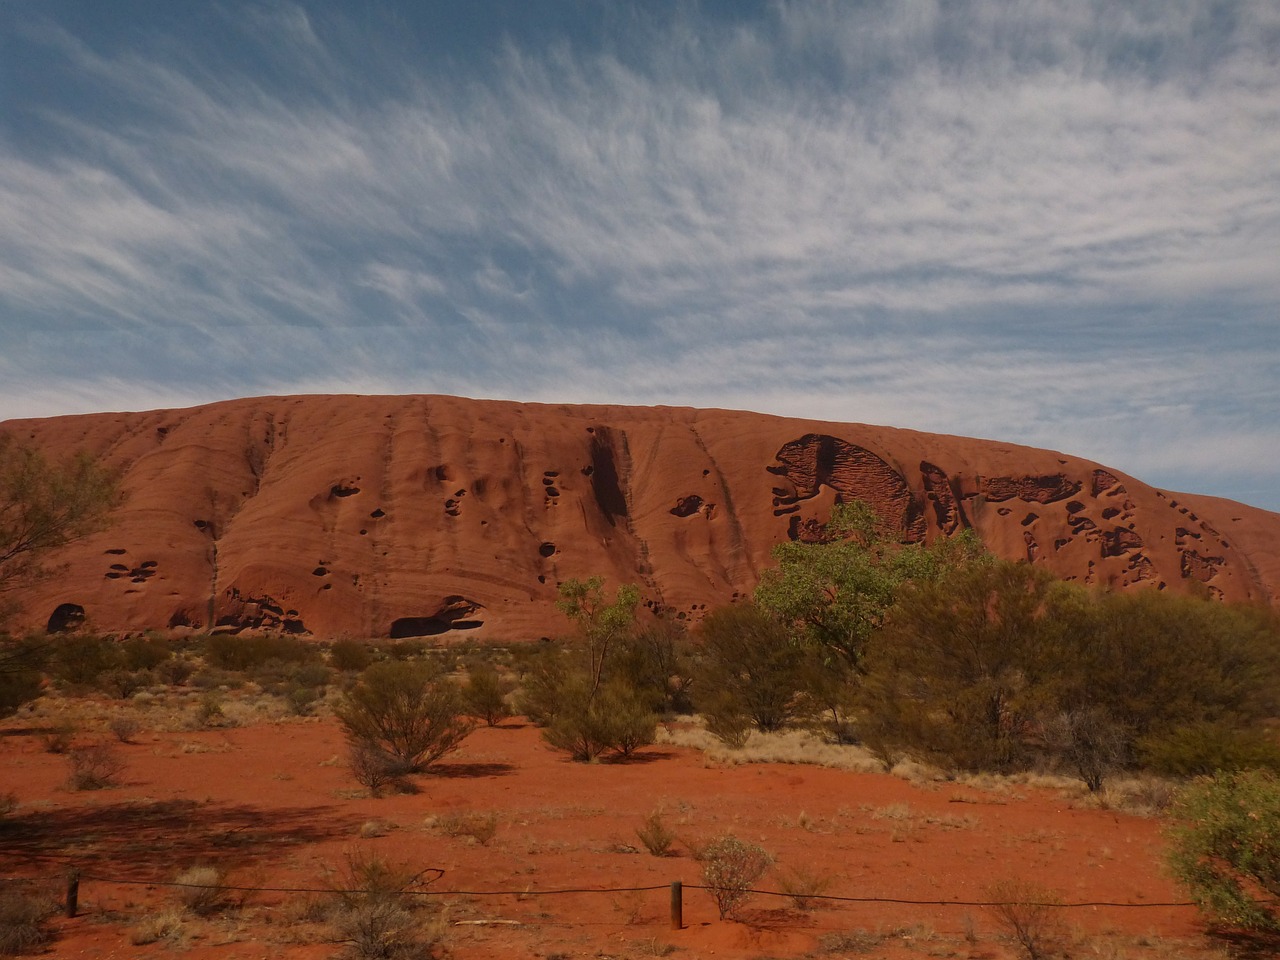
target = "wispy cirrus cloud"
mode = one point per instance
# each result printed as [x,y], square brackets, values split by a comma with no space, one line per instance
[1019,222]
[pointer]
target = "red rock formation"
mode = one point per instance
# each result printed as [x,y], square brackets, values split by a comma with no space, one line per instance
[427,515]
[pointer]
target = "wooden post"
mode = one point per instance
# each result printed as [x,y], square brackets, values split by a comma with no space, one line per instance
[677,905]
[73,892]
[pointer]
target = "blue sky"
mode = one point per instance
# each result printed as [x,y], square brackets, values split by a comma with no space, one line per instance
[1053,223]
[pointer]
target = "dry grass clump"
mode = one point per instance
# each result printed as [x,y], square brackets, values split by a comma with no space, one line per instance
[656,836]
[472,825]
[167,925]
[1140,796]
[24,910]
[782,746]
[202,890]
[803,886]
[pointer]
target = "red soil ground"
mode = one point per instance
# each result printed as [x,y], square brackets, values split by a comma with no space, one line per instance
[275,805]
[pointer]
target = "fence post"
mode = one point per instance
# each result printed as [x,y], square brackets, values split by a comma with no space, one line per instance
[73,892]
[677,905]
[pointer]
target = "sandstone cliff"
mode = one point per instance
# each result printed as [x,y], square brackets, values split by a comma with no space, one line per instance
[440,516]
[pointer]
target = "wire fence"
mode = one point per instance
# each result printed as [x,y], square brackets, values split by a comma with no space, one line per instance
[417,890]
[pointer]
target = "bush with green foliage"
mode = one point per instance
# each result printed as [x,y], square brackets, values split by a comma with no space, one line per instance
[350,656]
[408,710]
[1203,749]
[749,667]
[1226,848]
[21,676]
[486,693]
[616,718]
[837,593]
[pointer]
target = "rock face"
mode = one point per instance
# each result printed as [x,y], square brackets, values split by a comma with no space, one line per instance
[437,516]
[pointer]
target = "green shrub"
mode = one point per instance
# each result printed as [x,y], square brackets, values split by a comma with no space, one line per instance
[349,656]
[21,662]
[1226,850]
[486,694]
[1202,749]
[750,666]
[245,654]
[408,711]
[616,719]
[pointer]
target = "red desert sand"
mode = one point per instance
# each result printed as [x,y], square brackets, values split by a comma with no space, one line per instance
[275,806]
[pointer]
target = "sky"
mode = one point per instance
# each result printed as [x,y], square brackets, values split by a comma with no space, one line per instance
[1048,222]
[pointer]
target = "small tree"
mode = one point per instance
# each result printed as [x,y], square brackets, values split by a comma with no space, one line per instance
[1226,850]
[44,506]
[408,711]
[600,624]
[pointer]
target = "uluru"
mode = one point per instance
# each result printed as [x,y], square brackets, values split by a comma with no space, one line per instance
[411,516]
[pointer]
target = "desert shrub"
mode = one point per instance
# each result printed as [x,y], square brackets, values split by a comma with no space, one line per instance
[145,653]
[656,836]
[1202,749]
[77,661]
[124,728]
[25,908]
[729,868]
[408,710]
[59,737]
[349,656]
[544,672]
[122,683]
[480,827]
[616,719]
[803,886]
[373,768]
[1226,850]
[1028,914]
[1090,742]
[93,766]
[210,713]
[268,653]
[486,694]
[375,910]
[175,671]
[726,721]
[202,890]
[752,666]
[657,661]
[21,662]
